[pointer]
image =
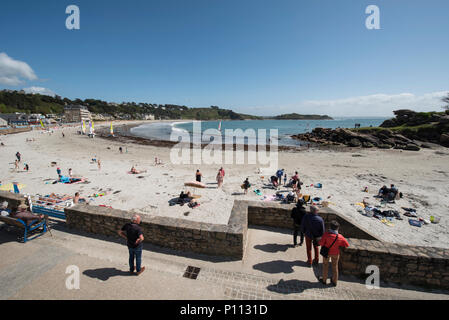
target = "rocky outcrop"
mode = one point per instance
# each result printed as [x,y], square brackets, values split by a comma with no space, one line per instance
[371,138]
[409,130]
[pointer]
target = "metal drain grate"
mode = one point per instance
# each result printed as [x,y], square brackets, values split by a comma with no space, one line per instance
[191,272]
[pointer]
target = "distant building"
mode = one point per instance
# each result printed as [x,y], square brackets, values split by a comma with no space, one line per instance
[3,122]
[15,119]
[34,118]
[76,113]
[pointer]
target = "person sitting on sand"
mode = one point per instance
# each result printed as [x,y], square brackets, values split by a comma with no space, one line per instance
[157,161]
[383,191]
[76,199]
[184,198]
[274,181]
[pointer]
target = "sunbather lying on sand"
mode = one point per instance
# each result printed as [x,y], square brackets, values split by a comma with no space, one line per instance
[135,171]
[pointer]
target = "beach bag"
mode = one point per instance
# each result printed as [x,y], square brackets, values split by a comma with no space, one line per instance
[325,250]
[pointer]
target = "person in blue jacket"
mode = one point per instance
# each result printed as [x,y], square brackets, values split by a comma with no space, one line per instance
[313,227]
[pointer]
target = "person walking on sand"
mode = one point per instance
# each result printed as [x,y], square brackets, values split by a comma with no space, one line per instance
[120,149]
[198,175]
[16,164]
[332,240]
[220,177]
[313,227]
[133,234]
[18,156]
[99,164]
[70,172]
[246,185]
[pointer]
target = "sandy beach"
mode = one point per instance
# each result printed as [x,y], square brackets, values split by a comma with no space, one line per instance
[421,176]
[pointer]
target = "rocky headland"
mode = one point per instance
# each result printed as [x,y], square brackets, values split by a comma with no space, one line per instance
[409,130]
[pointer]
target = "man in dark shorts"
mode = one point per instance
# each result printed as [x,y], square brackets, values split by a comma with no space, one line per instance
[133,234]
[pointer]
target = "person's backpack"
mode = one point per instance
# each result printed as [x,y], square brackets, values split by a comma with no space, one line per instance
[325,250]
[294,213]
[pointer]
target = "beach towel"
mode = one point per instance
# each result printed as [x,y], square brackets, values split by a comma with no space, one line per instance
[269,198]
[410,214]
[387,222]
[258,192]
[360,204]
[415,223]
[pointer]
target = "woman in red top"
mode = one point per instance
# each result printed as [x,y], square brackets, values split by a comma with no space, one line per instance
[334,251]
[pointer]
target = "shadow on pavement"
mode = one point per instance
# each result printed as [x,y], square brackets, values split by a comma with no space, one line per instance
[279,266]
[105,273]
[273,247]
[294,286]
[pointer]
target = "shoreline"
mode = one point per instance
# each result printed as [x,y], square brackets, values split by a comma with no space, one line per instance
[122,134]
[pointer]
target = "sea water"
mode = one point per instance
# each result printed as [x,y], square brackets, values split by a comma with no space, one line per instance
[285,128]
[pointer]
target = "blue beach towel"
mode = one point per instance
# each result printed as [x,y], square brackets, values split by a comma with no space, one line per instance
[415,223]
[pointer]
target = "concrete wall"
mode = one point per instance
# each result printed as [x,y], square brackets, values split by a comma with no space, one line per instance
[13,199]
[14,130]
[275,214]
[404,264]
[178,234]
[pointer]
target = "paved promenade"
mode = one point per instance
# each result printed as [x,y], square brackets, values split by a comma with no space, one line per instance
[271,269]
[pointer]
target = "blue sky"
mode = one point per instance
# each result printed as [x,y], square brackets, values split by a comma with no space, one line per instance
[255,56]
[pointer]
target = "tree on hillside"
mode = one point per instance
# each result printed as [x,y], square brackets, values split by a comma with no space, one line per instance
[446,100]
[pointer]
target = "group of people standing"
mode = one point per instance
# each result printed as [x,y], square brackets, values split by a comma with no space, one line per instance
[219,177]
[310,226]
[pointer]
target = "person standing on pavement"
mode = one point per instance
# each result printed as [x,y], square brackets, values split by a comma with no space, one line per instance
[333,241]
[133,234]
[313,227]
[297,214]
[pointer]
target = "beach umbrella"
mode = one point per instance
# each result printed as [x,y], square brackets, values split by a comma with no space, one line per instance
[42,125]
